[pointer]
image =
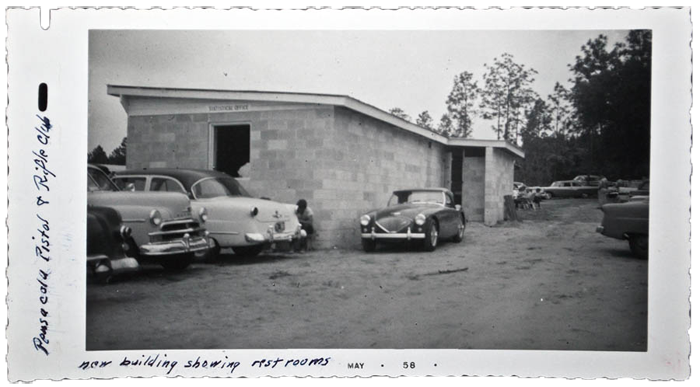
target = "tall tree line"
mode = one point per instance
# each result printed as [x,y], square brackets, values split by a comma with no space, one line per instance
[599,124]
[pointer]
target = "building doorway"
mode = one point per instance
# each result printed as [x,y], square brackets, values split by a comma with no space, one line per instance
[231,148]
[456,177]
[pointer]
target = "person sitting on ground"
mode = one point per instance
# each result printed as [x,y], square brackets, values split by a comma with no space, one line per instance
[306,218]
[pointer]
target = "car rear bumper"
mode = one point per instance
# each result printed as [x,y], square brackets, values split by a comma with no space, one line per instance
[271,237]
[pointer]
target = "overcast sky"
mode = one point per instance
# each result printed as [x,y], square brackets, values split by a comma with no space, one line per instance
[413,70]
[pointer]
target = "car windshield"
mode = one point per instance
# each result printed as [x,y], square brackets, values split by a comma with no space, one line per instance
[98,181]
[417,197]
[214,187]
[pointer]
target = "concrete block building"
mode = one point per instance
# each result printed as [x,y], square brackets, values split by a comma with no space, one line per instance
[343,156]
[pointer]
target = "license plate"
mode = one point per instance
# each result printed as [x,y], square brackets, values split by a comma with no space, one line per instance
[279,226]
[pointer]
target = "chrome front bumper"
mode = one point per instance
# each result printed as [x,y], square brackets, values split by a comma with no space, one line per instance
[408,235]
[179,246]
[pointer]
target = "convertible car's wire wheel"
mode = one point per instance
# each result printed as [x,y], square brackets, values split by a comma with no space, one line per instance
[460,233]
[432,231]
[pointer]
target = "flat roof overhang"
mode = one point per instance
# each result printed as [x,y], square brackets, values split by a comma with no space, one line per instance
[125,92]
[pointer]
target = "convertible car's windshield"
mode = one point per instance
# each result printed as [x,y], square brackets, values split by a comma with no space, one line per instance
[417,197]
[215,187]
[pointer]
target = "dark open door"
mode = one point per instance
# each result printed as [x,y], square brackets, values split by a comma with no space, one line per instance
[232,144]
[457,166]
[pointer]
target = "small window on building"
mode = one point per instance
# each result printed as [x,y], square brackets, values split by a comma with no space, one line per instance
[232,148]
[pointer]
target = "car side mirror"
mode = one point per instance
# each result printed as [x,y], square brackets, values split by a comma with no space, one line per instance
[458,207]
[131,187]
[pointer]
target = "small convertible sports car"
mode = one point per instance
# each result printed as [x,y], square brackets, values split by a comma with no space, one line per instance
[423,215]
[234,218]
[162,228]
[628,221]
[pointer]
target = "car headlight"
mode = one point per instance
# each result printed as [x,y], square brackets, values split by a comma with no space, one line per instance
[253,211]
[420,219]
[203,214]
[156,218]
[125,232]
[364,220]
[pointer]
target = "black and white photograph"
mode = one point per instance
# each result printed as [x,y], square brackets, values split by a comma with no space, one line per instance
[368,189]
[417,185]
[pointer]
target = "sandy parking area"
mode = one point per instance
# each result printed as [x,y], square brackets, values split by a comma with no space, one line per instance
[549,282]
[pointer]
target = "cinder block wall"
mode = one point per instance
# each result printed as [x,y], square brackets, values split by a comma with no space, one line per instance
[473,175]
[167,141]
[498,183]
[285,150]
[343,163]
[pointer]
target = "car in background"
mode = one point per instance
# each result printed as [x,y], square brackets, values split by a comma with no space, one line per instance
[235,219]
[640,190]
[423,215]
[623,192]
[107,244]
[162,227]
[570,189]
[589,180]
[628,221]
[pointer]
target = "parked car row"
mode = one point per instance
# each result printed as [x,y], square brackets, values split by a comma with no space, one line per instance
[571,189]
[169,216]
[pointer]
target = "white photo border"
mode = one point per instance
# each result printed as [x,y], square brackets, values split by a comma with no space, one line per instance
[58,57]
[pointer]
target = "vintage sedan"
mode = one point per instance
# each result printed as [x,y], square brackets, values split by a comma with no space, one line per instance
[107,244]
[628,221]
[234,218]
[162,227]
[570,189]
[423,215]
[626,193]
[589,180]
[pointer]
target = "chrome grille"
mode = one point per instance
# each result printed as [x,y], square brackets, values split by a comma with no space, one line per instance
[176,229]
[394,224]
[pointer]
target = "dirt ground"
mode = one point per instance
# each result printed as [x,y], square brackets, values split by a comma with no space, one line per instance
[549,283]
